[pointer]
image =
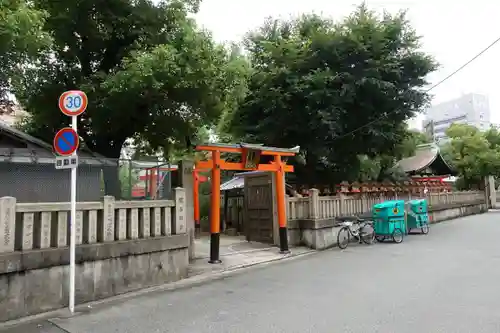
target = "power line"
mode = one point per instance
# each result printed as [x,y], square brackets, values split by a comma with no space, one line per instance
[434,86]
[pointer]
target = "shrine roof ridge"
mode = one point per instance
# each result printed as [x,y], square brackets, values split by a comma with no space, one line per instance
[260,147]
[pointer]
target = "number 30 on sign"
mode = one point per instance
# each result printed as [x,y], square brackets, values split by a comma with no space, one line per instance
[73,102]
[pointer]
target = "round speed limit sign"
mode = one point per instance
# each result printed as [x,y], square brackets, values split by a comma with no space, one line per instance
[73,102]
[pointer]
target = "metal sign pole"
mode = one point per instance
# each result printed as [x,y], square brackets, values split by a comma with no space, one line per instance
[72,103]
[72,242]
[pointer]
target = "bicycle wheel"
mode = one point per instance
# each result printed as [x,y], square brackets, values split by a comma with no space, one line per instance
[343,237]
[425,229]
[367,233]
[397,236]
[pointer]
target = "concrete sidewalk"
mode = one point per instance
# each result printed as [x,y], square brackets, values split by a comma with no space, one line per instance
[236,254]
[245,257]
[228,245]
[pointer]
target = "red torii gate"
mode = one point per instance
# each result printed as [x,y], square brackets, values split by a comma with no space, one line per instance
[250,162]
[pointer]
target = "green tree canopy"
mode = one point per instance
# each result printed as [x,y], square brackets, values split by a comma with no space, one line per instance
[473,153]
[21,38]
[148,70]
[314,82]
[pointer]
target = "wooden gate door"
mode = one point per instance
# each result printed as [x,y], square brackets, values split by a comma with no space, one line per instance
[259,208]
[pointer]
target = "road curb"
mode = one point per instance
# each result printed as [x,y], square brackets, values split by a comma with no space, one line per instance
[238,252]
[193,281]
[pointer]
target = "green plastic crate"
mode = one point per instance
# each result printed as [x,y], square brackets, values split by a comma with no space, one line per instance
[418,206]
[386,227]
[416,221]
[389,209]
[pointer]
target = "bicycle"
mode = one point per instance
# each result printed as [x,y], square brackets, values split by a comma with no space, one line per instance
[360,229]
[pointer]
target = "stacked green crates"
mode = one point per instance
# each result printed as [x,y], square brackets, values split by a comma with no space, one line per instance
[389,219]
[418,215]
[418,206]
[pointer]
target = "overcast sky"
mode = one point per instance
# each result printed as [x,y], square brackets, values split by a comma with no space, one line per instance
[452,31]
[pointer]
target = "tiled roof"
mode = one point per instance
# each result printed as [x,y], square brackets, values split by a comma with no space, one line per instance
[254,146]
[235,183]
[424,157]
[238,181]
[85,154]
[4,127]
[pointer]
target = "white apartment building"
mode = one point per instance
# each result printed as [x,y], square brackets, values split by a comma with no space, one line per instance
[471,109]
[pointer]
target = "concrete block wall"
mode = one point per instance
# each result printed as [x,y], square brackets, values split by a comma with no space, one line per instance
[453,211]
[121,246]
[36,281]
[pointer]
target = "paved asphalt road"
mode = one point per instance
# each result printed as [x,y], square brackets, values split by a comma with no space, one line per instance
[447,281]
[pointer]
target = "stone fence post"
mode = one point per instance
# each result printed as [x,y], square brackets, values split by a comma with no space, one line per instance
[343,204]
[365,207]
[186,169]
[491,192]
[7,223]
[179,220]
[107,228]
[314,208]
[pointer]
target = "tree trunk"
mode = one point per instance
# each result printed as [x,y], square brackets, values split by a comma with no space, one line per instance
[112,185]
[111,167]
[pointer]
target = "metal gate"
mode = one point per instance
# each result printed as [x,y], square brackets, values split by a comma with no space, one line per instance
[259,208]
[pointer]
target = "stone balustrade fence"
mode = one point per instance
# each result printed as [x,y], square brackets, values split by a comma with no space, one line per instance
[322,207]
[29,226]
